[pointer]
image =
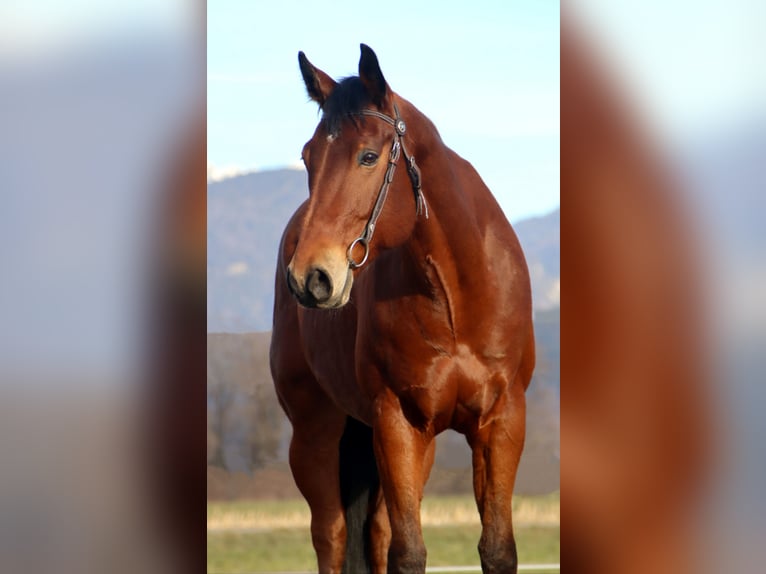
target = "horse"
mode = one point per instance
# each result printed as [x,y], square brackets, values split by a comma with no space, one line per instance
[402,308]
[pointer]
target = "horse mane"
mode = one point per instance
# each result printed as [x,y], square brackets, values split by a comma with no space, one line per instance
[345,102]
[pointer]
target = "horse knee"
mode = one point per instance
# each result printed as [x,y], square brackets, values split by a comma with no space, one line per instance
[407,559]
[498,557]
[328,534]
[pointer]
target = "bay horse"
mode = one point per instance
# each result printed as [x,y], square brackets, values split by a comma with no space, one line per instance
[402,309]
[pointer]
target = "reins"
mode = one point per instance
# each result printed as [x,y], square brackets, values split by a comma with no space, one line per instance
[397,148]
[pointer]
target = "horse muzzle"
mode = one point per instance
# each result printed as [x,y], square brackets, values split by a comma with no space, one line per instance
[319,287]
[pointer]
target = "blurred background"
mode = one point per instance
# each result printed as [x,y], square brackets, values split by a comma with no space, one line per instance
[102,250]
[662,183]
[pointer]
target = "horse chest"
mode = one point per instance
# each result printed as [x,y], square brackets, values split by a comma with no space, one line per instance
[432,378]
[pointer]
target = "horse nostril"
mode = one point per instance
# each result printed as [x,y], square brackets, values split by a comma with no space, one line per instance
[292,284]
[319,285]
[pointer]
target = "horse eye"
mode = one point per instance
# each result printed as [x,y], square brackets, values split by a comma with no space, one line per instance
[368,158]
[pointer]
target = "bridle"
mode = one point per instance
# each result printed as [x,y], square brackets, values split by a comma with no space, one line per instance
[397,147]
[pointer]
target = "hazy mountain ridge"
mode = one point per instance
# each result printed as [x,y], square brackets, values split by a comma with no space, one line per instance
[540,238]
[246,216]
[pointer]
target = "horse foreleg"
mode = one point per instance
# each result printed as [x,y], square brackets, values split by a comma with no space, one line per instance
[314,462]
[496,447]
[404,455]
[380,534]
[380,525]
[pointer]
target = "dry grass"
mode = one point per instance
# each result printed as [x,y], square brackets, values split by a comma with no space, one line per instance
[257,515]
[435,511]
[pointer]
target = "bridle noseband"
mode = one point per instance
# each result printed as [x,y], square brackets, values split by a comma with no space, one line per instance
[397,147]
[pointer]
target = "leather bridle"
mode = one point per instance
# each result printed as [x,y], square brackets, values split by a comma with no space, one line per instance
[397,147]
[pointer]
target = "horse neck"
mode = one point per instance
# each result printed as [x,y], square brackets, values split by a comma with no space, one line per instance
[453,229]
[465,251]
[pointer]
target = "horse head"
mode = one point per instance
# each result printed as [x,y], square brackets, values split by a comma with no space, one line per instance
[351,161]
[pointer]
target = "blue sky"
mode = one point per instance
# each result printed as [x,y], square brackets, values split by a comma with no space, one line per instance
[487,75]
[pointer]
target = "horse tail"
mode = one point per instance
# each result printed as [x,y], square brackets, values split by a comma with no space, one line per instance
[358,485]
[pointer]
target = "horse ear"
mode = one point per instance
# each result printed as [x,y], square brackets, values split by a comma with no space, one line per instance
[318,84]
[371,76]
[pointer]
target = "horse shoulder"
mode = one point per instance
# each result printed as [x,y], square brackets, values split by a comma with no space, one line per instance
[287,360]
[290,235]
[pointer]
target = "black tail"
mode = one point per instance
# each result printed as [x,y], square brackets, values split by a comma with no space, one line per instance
[358,484]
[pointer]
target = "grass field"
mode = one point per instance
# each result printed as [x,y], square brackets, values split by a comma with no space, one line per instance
[262,536]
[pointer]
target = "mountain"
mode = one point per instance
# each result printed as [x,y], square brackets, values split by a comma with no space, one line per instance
[541,240]
[246,217]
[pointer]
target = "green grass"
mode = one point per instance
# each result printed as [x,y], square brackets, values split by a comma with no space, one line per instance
[276,550]
[456,545]
[243,539]
[287,549]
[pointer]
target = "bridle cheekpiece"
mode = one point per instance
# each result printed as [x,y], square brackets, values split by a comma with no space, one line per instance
[397,148]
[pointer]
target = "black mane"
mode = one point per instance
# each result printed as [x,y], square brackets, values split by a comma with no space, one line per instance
[346,101]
